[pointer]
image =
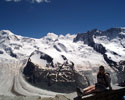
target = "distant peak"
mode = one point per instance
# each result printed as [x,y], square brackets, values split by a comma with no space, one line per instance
[117,29]
[52,34]
[7,32]
[95,30]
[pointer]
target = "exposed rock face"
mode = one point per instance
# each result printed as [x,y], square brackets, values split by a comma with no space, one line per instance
[10,52]
[122,65]
[88,38]
[1,52]
[58,77]
[109,61]
[121,72]
[114,32]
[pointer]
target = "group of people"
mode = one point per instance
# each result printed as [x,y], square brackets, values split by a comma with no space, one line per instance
[103,82]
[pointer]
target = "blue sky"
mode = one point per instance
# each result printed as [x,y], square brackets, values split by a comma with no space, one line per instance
[35,18]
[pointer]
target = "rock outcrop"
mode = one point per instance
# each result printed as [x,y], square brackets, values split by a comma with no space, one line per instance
[58,77]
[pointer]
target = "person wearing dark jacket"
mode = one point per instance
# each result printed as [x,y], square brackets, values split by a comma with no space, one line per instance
[103,82]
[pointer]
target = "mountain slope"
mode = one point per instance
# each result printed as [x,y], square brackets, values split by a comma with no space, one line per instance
[109,43]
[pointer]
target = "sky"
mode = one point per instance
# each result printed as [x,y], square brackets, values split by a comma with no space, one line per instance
[36,18]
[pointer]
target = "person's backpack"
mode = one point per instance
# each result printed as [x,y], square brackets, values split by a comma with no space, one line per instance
[109,79]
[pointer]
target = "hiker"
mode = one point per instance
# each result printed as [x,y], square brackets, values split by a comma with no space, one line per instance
[103,82]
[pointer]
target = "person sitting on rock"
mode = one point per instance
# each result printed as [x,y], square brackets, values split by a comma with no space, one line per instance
[103,82]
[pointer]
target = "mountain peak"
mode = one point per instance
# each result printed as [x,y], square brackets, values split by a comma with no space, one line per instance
[94,30]
[8,32]
[118,30]
[51,37]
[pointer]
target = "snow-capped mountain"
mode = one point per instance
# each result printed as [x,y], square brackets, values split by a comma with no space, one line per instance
[79,55]
[110,43]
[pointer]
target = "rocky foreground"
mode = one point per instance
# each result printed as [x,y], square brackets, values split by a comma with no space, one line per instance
[116,94]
